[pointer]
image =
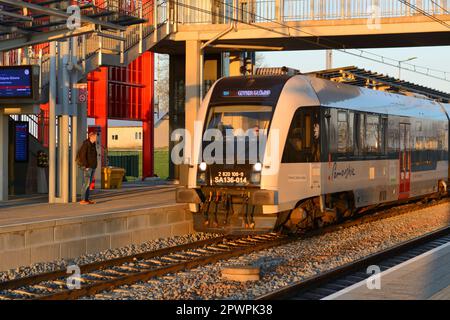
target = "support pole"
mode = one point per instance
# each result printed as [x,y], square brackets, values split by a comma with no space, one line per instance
[52,126]
[194,60]
[74,123]
[235,64]
[64,161]
[329,59]
[4,163]
[64,126]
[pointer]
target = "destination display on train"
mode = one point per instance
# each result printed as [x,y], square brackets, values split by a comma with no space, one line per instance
[15,82]
[246,93]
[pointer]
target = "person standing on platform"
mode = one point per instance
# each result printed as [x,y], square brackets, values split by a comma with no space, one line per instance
[87,161]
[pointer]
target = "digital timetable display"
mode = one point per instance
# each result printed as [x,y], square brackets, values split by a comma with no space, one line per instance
[16,82]
[21,141]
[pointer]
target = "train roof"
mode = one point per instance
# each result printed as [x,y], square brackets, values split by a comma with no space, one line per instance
[373,80]
[341,95]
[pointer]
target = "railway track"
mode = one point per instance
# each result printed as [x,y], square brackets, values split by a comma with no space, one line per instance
[330,282]
[109,274]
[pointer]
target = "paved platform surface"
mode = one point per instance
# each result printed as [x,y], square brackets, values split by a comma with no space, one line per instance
[29,209]
[424,277]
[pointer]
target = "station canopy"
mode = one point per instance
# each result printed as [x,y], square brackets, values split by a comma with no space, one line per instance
[25,23]
[368,79]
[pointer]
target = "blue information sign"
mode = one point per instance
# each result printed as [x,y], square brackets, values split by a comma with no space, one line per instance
[16,82]
[21,141]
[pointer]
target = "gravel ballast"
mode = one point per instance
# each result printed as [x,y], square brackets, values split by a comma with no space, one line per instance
[60,264]
[283,265]
[280,266]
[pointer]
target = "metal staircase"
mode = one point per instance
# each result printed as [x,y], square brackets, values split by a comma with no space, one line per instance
[147,23]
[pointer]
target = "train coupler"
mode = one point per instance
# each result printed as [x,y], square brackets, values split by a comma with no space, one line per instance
[249,222]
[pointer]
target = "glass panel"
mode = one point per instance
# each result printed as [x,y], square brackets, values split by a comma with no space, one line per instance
[342,132]
[372,133]
[240,119]
[307,131]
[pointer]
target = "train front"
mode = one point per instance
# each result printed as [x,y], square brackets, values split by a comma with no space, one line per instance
[224,189]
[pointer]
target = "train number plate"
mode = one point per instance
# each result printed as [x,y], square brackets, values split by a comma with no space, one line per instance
[230,177]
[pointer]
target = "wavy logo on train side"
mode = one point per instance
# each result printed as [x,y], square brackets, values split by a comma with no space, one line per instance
[345,173]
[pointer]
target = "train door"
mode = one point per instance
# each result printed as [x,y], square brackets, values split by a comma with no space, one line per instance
[405,161]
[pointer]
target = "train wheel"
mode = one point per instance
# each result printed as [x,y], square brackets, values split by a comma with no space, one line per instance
[302,217]
[442,189]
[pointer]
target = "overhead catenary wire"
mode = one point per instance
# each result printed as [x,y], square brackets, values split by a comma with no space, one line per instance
[333,44]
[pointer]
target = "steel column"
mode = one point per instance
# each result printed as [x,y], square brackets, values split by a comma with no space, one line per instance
[194,82]
[4,163]
[52,126]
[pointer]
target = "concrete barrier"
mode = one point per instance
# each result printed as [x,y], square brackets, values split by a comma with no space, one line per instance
[71,237]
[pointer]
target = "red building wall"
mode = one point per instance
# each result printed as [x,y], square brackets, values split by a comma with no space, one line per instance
[125,93]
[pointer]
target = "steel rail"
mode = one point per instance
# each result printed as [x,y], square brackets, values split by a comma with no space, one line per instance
[99,265]
[327,277]
[239,245]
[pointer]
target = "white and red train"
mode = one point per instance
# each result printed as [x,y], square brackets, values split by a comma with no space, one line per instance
[330,150]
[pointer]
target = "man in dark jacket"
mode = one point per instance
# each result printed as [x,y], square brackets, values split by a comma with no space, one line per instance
[87,160]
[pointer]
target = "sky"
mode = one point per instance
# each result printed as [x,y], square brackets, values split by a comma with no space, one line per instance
[430,57]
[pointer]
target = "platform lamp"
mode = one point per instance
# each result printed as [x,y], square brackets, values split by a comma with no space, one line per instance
[400,64]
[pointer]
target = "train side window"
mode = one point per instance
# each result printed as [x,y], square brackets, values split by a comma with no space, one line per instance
[343,132]
[351,134]
[299,146]
[361,133]
[384,135]
[307,130]
[372,137]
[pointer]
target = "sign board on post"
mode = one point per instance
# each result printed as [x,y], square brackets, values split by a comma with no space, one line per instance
[21,142]
[82,92]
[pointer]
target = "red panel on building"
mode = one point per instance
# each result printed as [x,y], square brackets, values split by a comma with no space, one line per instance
[125,93]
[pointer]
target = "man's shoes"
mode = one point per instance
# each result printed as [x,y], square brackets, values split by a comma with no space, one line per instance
[91,202]
[84,202]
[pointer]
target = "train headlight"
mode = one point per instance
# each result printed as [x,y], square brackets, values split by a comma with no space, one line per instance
[201,178]
[202,166]
[257,167]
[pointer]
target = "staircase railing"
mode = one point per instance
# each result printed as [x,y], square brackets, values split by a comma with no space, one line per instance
[156,12]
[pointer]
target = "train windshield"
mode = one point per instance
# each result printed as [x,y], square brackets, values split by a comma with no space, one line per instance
[240,120]
[244,126]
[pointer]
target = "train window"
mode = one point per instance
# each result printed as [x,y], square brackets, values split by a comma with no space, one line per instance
[342,127]
[351,122]
[307,131]
[240,119]
[383,132]
[302,143]
[372,139]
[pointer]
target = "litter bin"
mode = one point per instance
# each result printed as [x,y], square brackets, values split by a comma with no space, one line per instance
[112,177]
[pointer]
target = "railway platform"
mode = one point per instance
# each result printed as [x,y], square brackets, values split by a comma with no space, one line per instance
[31,230]
[425,277]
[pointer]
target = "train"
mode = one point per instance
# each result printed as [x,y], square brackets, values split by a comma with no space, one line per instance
[325,151]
